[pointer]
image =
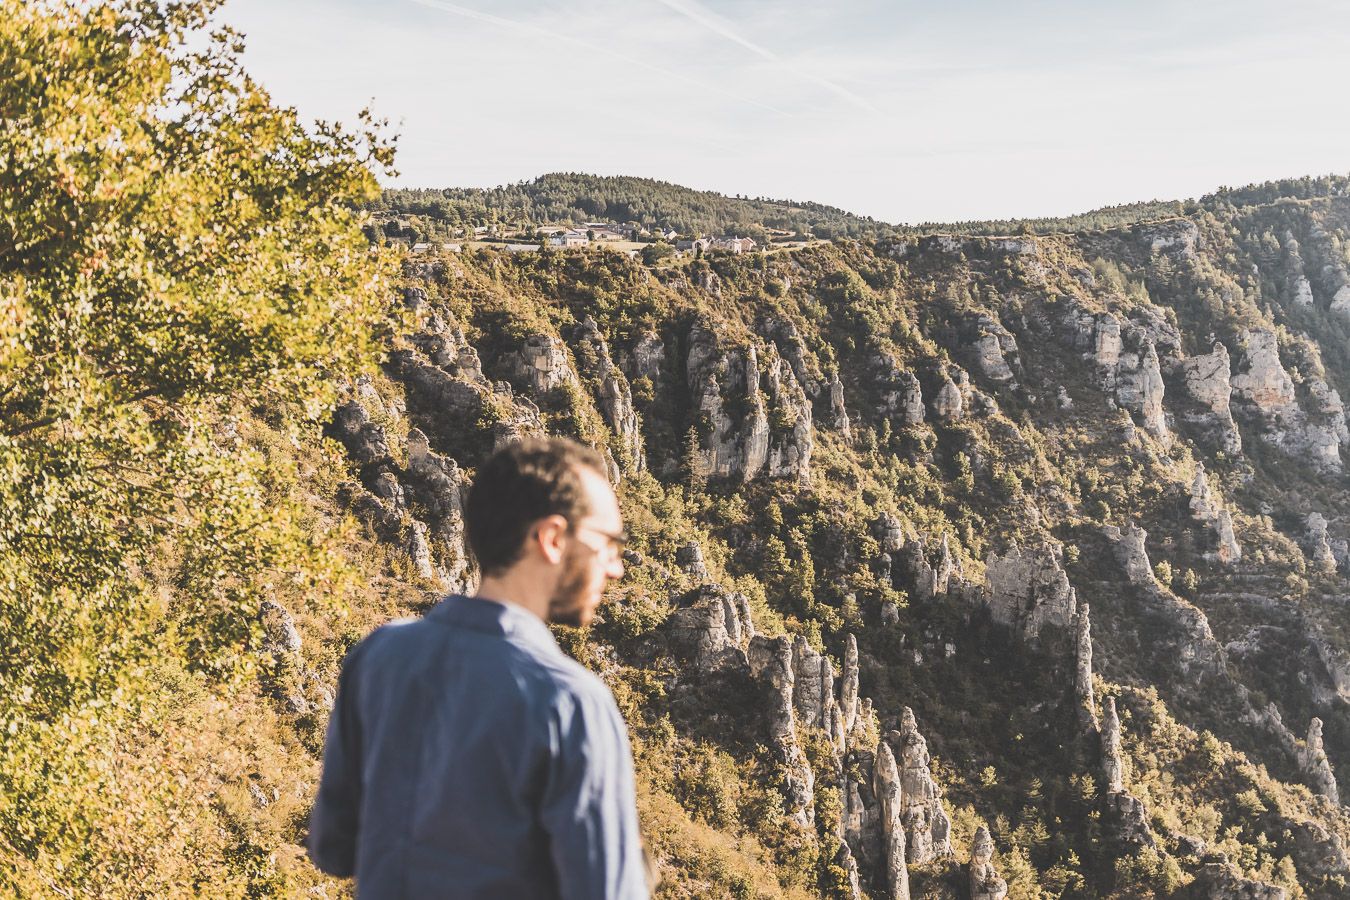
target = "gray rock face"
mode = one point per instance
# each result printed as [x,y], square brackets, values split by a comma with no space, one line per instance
[1218,879]
[771,664]
[1315,540]
[1267,392]
[1229,550]
[1139,385]
[1203,506]
[448,349]
[1027,589]
[725,386]
[887,788]
[614,395]
[1113,767]
[888,531]
[813,688]
[419,551]
[1316,767]
[440,487]
[646,358]
[844,860]
[1340,303]
[848,687]
[930,580]
[839,420]
[543,363]
[901,396]
[791,438]
[992,346]
[985,883]
[1264,383]
[788,340]
[280,636]
[1131,554]
[927,827]
[1128,817]
[1208,381]
[689,558]
[1083,691]
[711,629]
[948,404]
[1180,236]
[365,440]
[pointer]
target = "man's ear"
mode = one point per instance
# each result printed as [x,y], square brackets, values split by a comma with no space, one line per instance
[549,537]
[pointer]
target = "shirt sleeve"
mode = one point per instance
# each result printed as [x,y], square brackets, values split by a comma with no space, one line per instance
[333,823]
[589,807]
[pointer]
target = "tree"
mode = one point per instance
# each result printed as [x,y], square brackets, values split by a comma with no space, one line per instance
[175,253]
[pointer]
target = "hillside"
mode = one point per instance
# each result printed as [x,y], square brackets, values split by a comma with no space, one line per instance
[962,566]
[576,198]
[926,459]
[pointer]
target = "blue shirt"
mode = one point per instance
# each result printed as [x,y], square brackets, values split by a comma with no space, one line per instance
[468,757]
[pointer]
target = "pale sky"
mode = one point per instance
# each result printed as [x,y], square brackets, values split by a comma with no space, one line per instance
[904,111]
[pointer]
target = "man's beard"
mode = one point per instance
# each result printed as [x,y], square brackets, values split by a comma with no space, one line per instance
[568,605]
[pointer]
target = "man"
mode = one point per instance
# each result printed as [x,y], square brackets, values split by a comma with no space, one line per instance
[467,756]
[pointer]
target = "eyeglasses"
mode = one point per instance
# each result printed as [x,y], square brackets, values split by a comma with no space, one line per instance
[616,541]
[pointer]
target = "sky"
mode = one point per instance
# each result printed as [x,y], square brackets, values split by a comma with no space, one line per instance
[904,111]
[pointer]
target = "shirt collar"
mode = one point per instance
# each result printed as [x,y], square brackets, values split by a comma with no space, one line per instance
[494,617]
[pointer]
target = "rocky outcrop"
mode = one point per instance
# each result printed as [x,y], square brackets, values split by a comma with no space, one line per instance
[813,686]
[1318,547]
[1316,768]
[949,402]
[689,557]
[1266,391]
[614,395]
[1203,506]
[991,347]
[646,358]
[280,636]
[1208,382]
[985,883]
[1179,236]
[899,393]
[928,579]
[839,420]
[542,363]
[726,392]
[439,487]
[771,664]
[1131,554]
[1263,383]
[927,827]
[1027,588]
[1229,551]
[1139,384]
[1126,814]
[711,629]
[848,685]
[1206,508]
[364,440]
[887,789]
[791,437]
[1085,700]
[1218,879]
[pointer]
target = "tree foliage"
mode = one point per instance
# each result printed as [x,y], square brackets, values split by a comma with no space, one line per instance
[175,252]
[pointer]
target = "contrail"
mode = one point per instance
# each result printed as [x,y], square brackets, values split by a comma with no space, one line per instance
[527,28]
[697,12]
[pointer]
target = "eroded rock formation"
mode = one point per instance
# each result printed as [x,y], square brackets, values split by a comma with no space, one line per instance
[1027,589]
[985,883]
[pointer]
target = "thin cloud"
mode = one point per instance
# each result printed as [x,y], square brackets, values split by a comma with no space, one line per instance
[700,14]
[535,30]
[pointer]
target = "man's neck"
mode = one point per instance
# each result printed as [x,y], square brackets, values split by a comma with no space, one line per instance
[517,588]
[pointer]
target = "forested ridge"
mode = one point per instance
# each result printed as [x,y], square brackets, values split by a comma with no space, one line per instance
[573,198]
[962,564]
